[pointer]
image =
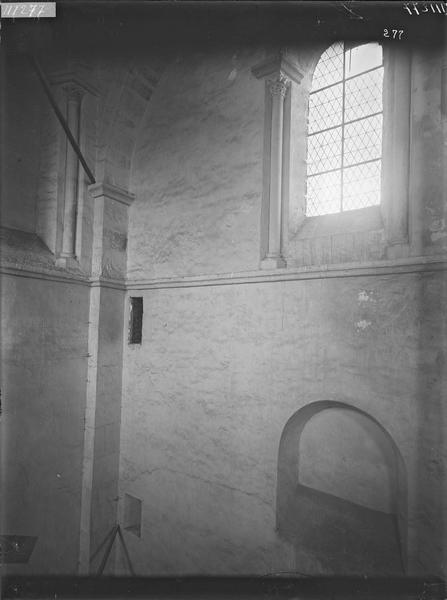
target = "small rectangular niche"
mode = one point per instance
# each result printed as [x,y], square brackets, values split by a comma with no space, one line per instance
[136,320]
[132,514]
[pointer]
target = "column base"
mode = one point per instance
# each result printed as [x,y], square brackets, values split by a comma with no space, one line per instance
[397,250]
[66,260]
[273,262]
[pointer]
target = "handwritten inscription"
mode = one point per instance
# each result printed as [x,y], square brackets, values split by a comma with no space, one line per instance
[28,10]
[394,34]
[421,8]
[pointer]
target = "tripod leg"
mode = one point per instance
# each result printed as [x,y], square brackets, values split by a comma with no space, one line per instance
[107,552]
[125,551]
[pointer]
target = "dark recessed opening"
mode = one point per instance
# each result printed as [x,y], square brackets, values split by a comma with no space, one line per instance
[136,320]
[132,514]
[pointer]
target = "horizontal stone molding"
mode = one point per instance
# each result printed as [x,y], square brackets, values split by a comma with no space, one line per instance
[31,273]
[395,267]
[62,277]
[389,267]
[115,284]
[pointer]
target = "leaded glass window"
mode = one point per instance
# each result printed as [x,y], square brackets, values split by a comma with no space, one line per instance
[344,151]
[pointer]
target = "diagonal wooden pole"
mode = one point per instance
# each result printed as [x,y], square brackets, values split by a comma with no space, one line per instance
[60,116]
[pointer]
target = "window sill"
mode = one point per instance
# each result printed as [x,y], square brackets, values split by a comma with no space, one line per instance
[352,236]
[350,221]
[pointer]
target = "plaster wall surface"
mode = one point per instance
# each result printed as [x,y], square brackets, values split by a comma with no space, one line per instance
[44,367]
[336,448]
[198,169]
[221,370]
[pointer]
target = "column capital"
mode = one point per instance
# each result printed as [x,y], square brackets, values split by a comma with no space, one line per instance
[73,91]
[278,86]
[110,228]
[113,192]
[70,78]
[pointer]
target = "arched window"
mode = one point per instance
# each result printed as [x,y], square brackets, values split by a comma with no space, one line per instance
[344,153]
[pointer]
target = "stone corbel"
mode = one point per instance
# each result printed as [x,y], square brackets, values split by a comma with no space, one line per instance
[278,72]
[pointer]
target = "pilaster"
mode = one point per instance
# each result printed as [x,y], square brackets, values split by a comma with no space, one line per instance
[396,150]
[110,222]
[104,381]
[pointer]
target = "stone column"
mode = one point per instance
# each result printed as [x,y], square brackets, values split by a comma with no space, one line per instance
[74,98]
[280,72]
[278,90]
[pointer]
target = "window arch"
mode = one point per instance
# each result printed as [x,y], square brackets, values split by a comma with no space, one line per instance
[344,152]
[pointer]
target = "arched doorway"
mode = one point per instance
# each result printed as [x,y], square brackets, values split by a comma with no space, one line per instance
[341,495]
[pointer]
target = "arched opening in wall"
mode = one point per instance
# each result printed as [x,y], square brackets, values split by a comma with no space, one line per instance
[341,497]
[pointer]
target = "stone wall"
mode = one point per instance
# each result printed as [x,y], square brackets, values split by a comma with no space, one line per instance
[220,371]
[227,360]
[62,321]
[20,165]
[198,169]
[229,353]
[44,367]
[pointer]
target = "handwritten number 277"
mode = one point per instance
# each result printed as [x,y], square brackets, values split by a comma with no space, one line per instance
[395,34]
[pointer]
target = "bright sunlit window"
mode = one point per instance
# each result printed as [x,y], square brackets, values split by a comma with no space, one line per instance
[344,153]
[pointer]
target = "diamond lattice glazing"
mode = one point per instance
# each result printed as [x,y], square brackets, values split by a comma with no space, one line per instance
[363,140]
[323,191]
[324,151]
[361,185]
[363,95]
[329,69]
[345,130]
[326,108]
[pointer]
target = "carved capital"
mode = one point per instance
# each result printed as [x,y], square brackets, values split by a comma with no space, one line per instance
[279,85]
[73,91]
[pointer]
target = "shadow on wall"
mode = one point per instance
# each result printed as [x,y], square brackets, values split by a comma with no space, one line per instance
[342,492]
